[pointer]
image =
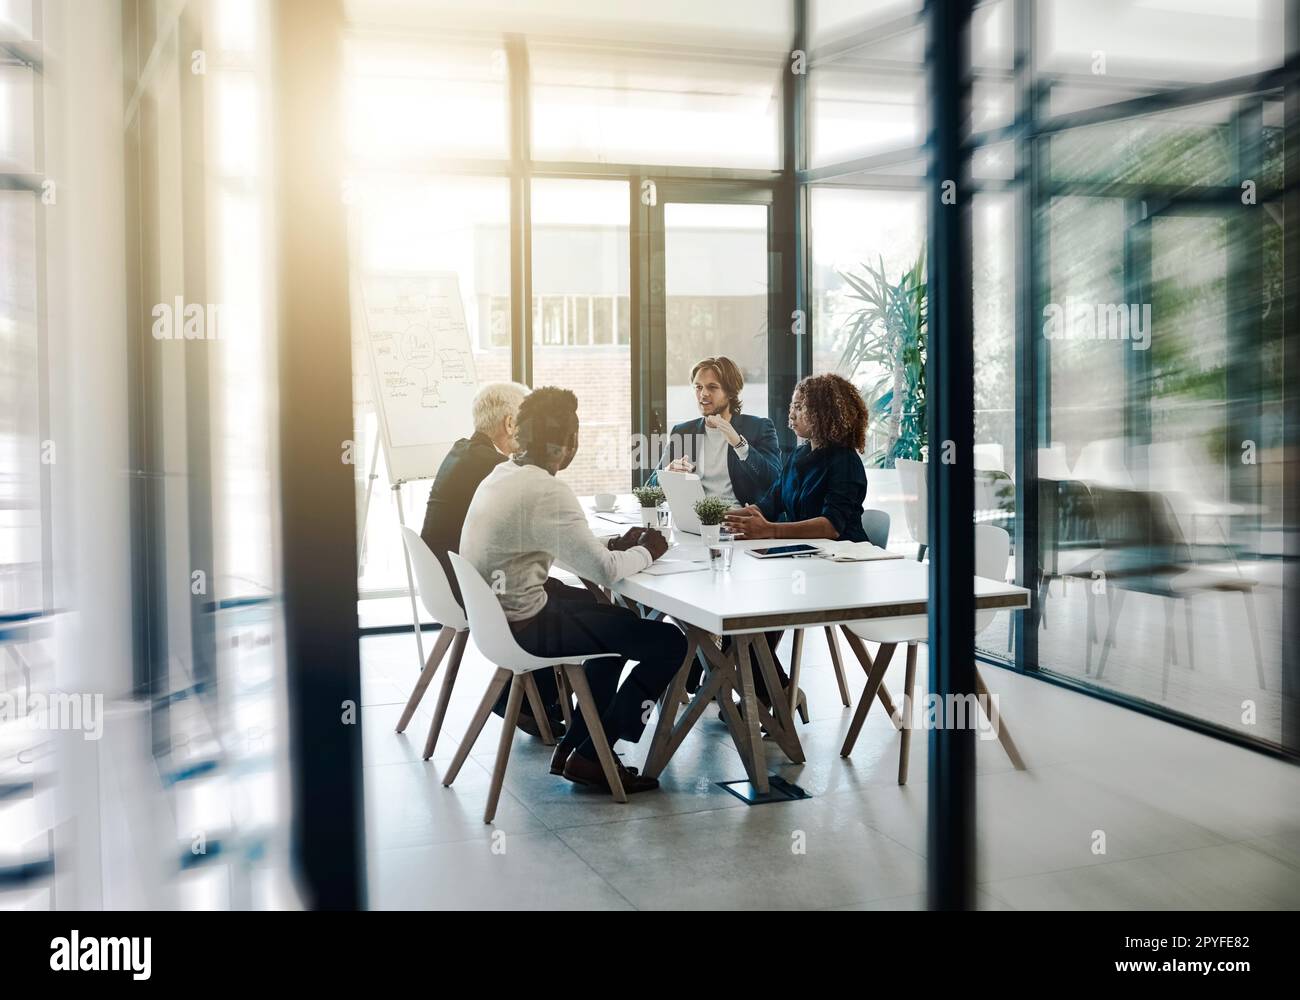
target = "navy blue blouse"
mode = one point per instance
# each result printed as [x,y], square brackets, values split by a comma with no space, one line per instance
[827,482]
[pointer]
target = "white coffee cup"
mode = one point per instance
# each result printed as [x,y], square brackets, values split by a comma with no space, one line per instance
[605,501]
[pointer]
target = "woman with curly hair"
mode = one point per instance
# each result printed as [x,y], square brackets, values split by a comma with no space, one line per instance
[820,490]
[822,485]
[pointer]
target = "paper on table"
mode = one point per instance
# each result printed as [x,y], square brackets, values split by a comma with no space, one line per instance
[662,568]
[855,552]
[686,553]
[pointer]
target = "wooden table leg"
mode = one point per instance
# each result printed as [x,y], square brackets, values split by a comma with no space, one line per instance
[668,712]
[877,672]
[784,717]
[749,700]
[864,658]
[838,664]
[722,681]
[796,663]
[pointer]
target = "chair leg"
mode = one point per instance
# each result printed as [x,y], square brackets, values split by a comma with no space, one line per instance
[1114,606]
[444,696]
[1254,636]
[445,636]
[517,688]
[566,696]
[1171,640]
[995,720]
[1191,655]
[497,685]
[920,552]
[1169,656]
[838,664]
[883,656]
[587,705]
[539,710]
[1091,628]
[905,744]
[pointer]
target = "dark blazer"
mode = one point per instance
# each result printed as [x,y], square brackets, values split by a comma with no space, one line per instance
[827,482]
[466,465]
[751,478]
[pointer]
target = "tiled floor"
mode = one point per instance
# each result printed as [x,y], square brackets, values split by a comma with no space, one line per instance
[1116,811]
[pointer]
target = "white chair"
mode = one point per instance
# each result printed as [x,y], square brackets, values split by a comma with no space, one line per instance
[1105,463]
[495,640]
[441,604]
[875,523]
[1053,463]
[911,480]
[990,456]
[992,549]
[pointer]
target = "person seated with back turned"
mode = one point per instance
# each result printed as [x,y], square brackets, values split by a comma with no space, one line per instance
[822,485]
[521,520]
[494,410]
[736,456]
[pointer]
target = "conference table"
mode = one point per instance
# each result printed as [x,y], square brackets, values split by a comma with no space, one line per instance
[755,596]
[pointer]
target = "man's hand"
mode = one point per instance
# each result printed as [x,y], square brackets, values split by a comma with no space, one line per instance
[749,522]
[680,465]
[655,543]
[724,425]
[629,539]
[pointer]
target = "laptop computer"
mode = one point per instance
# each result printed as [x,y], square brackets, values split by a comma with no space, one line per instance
[682,489]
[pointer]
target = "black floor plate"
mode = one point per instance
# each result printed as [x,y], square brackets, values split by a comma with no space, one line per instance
[781,791]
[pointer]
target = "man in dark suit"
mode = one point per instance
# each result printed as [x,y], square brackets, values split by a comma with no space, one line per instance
[495,410]
[736,456]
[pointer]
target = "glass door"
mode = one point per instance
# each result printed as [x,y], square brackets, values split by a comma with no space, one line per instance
[709,294]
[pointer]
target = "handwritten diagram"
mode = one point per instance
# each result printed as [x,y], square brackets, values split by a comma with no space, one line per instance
[422,359]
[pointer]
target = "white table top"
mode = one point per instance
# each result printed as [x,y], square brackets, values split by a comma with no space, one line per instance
[765,594]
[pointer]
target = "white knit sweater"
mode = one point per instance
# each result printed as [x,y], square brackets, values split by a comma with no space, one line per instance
[520,521]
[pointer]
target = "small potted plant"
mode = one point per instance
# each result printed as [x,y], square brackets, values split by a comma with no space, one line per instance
[710,511]
[649,497]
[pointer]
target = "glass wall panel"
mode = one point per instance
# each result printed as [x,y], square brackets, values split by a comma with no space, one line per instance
[628,107]
[861,242]
[419,225]
[716,288]
[580,342]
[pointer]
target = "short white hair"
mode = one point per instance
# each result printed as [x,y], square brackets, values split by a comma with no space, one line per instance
[496,401]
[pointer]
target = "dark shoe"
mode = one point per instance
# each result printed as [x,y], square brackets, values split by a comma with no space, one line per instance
[528,724]
[582,771]
[559,758]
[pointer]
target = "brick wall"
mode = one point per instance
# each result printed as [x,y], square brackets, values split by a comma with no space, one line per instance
[601,377]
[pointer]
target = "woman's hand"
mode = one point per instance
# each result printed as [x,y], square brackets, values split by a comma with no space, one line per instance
[749,522]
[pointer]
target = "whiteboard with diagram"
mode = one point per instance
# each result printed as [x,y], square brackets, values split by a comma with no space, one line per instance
[422,367]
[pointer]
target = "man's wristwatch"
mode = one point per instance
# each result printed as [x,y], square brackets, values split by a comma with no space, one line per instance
[741,443]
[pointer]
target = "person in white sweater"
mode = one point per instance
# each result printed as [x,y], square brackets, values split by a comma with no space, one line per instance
[521,520]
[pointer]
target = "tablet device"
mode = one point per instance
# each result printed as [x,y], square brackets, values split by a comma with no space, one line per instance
[781,551]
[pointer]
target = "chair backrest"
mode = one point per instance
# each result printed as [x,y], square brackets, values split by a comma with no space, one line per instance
[992,550]
[911,479]
[435,591]
[990,456]
[488,626]
[875,523]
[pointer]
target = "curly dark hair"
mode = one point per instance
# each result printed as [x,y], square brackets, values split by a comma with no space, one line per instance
[836,411]
[548,419]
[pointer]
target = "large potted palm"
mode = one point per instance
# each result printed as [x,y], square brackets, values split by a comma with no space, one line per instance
[884,354]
